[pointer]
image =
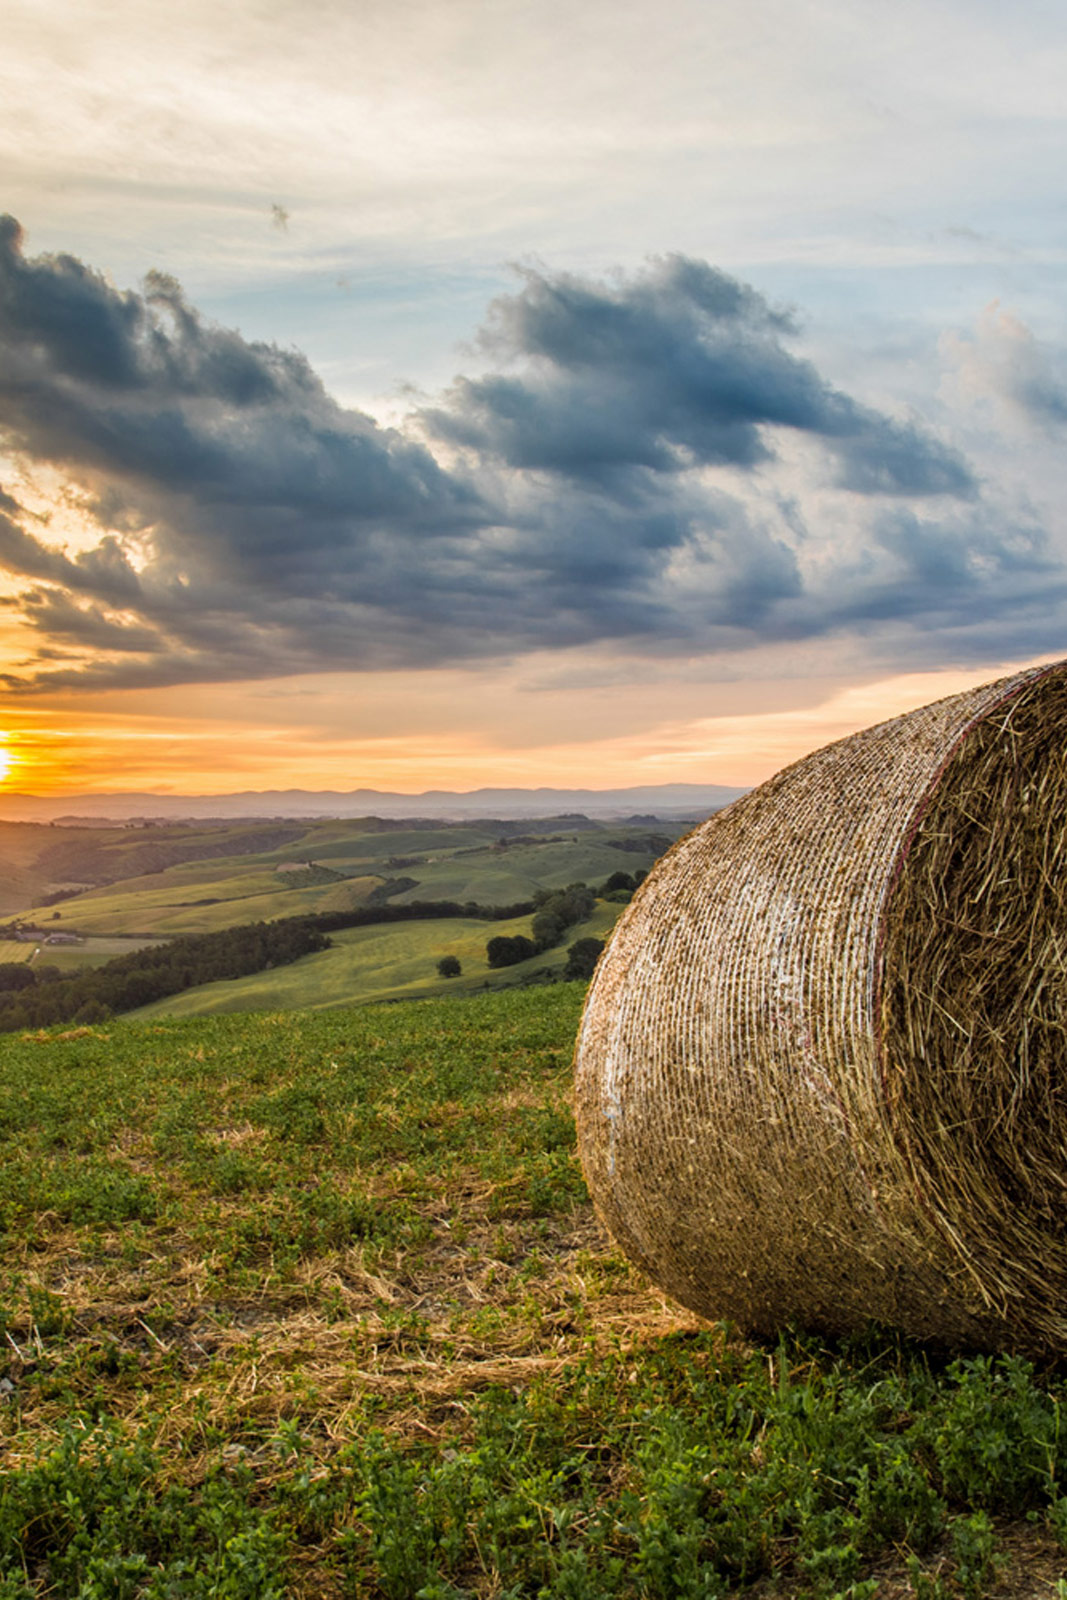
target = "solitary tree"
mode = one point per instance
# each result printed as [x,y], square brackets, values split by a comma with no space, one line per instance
[449,967]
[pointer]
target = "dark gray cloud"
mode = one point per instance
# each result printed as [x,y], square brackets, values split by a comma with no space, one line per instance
[87,625]
[676,368]
[141,391]
[611,479]
[951,573]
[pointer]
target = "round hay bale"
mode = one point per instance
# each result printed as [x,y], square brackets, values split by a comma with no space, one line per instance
[822,1070]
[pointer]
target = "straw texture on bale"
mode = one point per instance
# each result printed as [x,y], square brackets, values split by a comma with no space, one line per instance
[822,1070]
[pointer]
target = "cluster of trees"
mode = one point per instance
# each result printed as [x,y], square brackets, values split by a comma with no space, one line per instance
[621,885]
[154,972]
[16,975]
[507,840]
[582,957]
[643,844]
[507,950]
[554,912]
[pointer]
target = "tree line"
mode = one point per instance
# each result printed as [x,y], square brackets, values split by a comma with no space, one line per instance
[555,912]
[154,972]
[39,998]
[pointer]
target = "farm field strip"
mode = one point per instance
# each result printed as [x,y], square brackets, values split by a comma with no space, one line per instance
[93,952]
[160,910]
[399,842]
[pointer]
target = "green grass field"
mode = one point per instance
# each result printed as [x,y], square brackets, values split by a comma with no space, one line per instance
[299,874]
[392,962]
[501,876]
[343,844]
[462,862]
[315,1305]
[200,900]
[37,860]
[23,873]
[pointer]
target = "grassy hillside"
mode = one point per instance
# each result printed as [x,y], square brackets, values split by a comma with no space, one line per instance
[201,899]
[153,882]
[315,1305]
[22,879]
[38,861]
[503,872]
[397,962]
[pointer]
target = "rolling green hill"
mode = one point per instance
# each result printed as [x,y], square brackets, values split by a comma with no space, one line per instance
[266,872]
[38,862]
[201,899]
[501,874]
[257,874]
[394,962]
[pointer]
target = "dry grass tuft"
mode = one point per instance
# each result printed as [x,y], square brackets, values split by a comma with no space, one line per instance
[420,1337]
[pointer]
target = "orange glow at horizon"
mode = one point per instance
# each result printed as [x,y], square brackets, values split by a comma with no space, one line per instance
[259,742]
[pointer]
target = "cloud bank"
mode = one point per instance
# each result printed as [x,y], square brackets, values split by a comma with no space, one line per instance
[679,367]
[643,461]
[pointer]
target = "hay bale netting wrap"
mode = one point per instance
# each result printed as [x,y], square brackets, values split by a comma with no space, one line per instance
[822,1069]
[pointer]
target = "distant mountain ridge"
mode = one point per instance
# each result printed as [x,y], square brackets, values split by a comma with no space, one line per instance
[661,800]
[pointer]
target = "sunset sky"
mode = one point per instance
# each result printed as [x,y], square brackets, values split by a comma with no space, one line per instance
[441,393]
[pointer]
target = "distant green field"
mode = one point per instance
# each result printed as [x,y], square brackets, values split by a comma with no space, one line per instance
[199,900]
[378,847]
[36,860]
[462,862]
[501,876]
[299,872]
[393,962]
[13,950]
[93,952]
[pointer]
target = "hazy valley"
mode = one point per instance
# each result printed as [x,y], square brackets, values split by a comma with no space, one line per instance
[78,896]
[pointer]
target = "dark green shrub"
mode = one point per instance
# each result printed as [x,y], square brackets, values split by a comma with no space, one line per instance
[506,950]
[582,957]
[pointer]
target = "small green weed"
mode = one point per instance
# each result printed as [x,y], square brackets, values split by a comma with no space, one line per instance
[974,1551]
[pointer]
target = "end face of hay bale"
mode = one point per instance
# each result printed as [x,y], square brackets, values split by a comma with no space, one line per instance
[821,1074]
[972,1005]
